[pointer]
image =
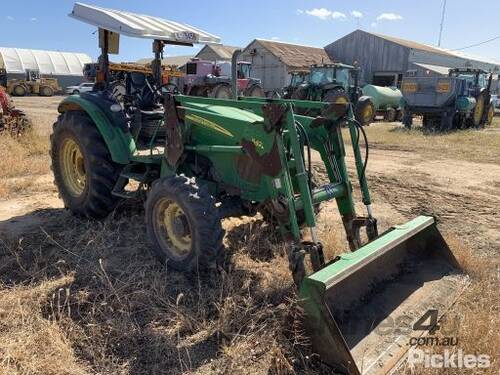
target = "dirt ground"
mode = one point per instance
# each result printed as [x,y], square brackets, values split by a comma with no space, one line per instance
[89,295]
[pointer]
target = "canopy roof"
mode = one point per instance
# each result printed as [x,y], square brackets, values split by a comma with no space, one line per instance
[17,60]
[140,26]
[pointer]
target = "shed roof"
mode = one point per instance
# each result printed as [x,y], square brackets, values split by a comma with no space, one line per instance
[295,56]
[140,25]
[434,68]
[436,50]
[413,45]
[223,51]
[18,60]
[170,60]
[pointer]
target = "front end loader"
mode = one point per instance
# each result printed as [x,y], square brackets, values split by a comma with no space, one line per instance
[214,158]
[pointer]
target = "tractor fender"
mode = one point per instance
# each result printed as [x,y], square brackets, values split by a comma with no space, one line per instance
[120,144]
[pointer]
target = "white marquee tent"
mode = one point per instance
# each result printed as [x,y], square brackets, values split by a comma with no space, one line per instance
[17,61]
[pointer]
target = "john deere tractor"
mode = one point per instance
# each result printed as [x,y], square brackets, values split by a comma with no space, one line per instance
[333,83]
[214,158]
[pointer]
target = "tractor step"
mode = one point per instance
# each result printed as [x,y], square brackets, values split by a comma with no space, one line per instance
[125,194]
[141,177]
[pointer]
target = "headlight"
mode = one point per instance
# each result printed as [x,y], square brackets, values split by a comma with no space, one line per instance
[443,86]
[409,86]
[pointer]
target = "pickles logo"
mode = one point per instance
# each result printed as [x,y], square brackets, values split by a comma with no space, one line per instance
[198,120]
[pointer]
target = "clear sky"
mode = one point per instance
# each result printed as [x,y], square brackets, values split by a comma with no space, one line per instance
[44,24]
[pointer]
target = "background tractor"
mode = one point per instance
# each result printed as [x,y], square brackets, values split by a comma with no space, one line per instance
[218,158]
[33,85]
[297,78]
[212,79]
[461,100]
[332,83]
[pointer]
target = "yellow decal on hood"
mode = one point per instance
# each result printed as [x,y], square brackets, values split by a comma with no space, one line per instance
[209,124]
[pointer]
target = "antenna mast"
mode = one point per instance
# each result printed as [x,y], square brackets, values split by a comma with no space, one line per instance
[442,23]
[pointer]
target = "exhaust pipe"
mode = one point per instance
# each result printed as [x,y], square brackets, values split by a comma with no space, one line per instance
[234,73]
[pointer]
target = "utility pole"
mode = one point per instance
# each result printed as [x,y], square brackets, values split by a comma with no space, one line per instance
[442,23]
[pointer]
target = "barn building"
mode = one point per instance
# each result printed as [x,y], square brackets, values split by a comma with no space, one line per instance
[273,61]
[67,67]
[384,60]
[216,52]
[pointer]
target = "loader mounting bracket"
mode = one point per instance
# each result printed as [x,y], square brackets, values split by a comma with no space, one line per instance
[273,113]
[174,147]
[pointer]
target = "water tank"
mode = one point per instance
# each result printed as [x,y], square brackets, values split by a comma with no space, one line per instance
[383,97]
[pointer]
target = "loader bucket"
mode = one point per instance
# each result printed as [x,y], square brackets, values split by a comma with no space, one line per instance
[361,308]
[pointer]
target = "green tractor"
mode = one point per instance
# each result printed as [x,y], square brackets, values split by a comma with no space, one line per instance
[213,158]
[332,83]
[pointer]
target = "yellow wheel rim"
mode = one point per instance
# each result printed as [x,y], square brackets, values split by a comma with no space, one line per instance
[341,100]
[491,113]
[478,111]
[73,167]
[367,114]
[172,228]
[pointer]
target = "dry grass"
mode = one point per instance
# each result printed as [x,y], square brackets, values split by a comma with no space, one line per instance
[30,343]
[22,159]
[472,145]
[474,319]
[121,312]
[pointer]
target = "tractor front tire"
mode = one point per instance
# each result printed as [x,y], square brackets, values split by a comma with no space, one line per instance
[337,96]
[183,224]
[46,91]
[84,172]
[490,115]
[255,91]
[390,115]
[364,111]
[19,90]
[222,92]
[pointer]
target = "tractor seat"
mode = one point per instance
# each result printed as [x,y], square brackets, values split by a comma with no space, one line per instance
[147,100]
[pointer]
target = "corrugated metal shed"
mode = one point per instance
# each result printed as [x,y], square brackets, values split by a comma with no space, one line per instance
[295,56]
[141,26]
[384,60]
[216,52]
[17,61]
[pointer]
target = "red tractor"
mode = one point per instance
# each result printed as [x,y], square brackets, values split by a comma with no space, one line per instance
[12,120]
[209,79]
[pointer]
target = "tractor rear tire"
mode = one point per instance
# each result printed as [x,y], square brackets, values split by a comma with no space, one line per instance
[84,172]
[301,93]
[183,224]
[46,91]
[19,90]
[364,112]
[222,92]
[255,92]
[478,114]
[390,115]
[337,96]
